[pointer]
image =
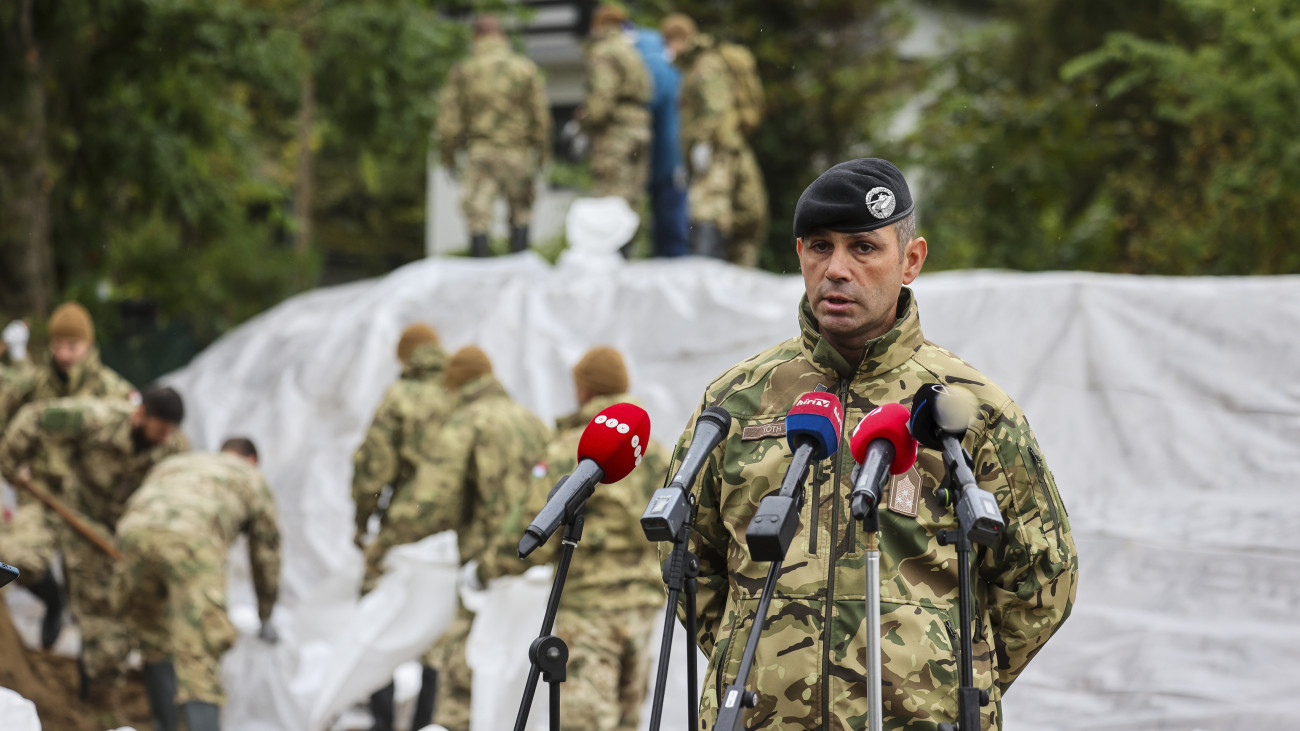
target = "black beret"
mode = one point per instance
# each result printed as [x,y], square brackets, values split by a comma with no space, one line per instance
[854,196]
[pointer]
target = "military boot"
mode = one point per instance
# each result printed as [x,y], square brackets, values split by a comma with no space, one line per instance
[478,245]
[518,238]
[424,701]
[48,591]
[160,688]
[381,708]
[707,240]
[201,716]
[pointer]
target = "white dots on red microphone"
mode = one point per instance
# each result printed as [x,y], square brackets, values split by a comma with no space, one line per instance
[637,451]
[638,461]
[636,440]
[624,428]
[612,423]
[600,419]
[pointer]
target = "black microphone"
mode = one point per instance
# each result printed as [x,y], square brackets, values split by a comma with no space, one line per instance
[939,421]
[668,509]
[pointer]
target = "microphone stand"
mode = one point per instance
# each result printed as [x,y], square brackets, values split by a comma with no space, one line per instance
[769,535]
[548,653]
[865,505]
[680,573]
[969,698]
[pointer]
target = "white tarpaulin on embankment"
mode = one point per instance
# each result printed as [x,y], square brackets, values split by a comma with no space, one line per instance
[1169,410]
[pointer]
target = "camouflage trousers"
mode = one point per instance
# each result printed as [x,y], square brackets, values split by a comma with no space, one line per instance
[491,171]
[170,591]
[609,665]
[455,679]
[620,157]
[730,194]
[105,640]
[28,542]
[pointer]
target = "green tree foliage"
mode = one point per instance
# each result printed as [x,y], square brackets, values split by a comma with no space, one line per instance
[1134,137]
[172,139]
[831,78]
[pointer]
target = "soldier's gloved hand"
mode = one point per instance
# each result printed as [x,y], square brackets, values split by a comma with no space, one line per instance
[267,633]
[701,154]
[468,576]
[16,334]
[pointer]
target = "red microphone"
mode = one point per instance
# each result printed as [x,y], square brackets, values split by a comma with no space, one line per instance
[616,440]
[882,444]
[611,446]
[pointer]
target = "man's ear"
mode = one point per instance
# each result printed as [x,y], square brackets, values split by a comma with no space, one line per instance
[914,258]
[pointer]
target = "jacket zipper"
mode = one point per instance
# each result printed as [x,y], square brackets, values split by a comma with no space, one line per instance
[830,577]
[1047,491]
[722,666]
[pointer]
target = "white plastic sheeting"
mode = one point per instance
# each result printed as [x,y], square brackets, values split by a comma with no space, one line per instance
[17,713]
[1167,408]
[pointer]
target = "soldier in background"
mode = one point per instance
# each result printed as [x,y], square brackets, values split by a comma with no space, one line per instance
[480,457]
[388,456]
[412,409]
[721,105]
[494,108]
[614,590]
[29,539]
[92,454]
[170,588]
[614,112]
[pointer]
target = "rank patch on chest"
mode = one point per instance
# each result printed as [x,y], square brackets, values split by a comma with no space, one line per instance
[905,493]
[763,431]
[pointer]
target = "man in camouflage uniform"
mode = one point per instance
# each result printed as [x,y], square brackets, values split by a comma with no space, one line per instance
[494,107]
[480,457]
[728,200]
[390,452]
[861,338]
[614,113]
[73,368]
[614,590]
[412,407]
[92,454]
[170,587]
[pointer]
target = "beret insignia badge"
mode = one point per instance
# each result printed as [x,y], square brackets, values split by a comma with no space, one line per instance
[880,201]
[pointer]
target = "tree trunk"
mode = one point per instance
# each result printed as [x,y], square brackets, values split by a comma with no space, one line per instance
[25,228]
[304,182]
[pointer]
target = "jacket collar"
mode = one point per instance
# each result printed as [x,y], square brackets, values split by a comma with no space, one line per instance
[588,411]
[881,355]
[479,388]
[427,361]
[489,45]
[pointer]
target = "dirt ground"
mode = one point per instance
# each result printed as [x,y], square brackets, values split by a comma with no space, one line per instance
[50,681]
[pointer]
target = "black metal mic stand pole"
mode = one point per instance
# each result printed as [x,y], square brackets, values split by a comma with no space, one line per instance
[549,654]
[769,535]
[969,698]
[681,573]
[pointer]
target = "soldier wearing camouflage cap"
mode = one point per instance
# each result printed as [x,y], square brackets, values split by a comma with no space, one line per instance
[494,108]
[470,467]
[170,587]
[614,112]
[614,592]
[92,454]
[855,234]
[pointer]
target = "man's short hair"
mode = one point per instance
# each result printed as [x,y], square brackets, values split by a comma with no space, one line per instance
[906,231]
[162,402]
[242,446]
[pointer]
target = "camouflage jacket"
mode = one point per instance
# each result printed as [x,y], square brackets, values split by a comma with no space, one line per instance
[495,97]
[211,498]
[80,450]
[707,102]
[810,665]
[481,457]
[617,85]
[615,566]
[416,404]
[44,380]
